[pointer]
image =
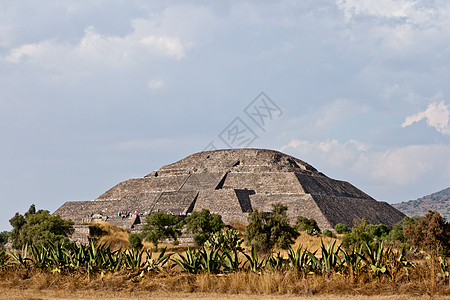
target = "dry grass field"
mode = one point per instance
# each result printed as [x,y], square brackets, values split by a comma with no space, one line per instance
[205,286]
[171,283]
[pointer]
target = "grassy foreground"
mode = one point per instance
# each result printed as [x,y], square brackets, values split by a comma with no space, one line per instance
[322,270]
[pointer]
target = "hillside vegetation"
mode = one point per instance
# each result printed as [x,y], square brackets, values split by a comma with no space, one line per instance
[439,202]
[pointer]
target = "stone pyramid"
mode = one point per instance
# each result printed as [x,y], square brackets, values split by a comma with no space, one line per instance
[233,183]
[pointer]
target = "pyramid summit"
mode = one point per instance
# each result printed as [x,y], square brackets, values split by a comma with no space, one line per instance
[233,183]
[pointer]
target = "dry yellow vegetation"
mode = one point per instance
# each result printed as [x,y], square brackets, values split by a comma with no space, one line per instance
[419,282]
[118,238]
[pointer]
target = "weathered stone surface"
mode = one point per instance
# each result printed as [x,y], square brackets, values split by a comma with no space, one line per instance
[233,183]
[267,182]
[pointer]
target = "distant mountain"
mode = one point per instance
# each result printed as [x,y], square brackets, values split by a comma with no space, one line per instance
[439,201]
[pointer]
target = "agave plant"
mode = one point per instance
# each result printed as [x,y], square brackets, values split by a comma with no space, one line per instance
[191,263]
[330,257]
[41,256]
[22,259]
[297,260]
[134,259]
[231,260]
[211,260]
[352,260]
[158,263]
[4,259]
[277,263]
[376,258]
[255,263]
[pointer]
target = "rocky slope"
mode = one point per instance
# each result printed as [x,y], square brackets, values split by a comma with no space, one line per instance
[439,201]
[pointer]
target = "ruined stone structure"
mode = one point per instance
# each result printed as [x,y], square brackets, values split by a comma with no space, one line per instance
[233,183]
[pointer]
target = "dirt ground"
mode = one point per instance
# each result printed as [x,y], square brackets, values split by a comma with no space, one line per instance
[32,294]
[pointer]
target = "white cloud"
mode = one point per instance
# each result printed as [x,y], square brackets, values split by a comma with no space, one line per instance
[379,8]
[399,166]
[407,165]
[27,50]
[143,44]
[165,45]
[332,152]
[400,27]
[437,116]
[156,84]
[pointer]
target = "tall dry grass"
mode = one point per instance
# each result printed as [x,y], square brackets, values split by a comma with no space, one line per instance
[266,283]
[115,236]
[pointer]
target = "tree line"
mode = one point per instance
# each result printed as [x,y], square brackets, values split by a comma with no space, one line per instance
[264,231]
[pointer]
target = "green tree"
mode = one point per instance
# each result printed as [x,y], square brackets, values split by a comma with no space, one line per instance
[283,234]
[258,231]
[17,223]
[39,228]
[341,228]
[203,224]
[307,225]
[358,236]
[264,231]
[396,233]
[135,241]
[380,231]
[4,236]
[161,225]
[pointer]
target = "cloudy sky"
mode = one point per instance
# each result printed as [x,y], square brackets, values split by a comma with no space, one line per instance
[96,92]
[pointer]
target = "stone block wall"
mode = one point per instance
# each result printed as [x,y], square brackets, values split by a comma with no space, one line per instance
[202,181]
[322,185]
[270,182]
[298,205]
[177,203]
[148,184]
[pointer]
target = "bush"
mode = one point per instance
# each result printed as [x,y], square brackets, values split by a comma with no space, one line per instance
[161,225]
[264,231]
[430,233]
[4,236]
[358,236]
[307,225]
[258,233]
[328,233]
[341,228]
[379,231]
[203,224]
[39,228]
[135,241]
[225,240]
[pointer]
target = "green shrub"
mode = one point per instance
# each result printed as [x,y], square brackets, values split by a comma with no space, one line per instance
[135,241]
[307,225]
[203,224]
[4,237]
[379,231]
[161,225]
[225,240]
[328,233]
[358,236]
[396,233]
[341,228]
[39,228]
[267,230]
